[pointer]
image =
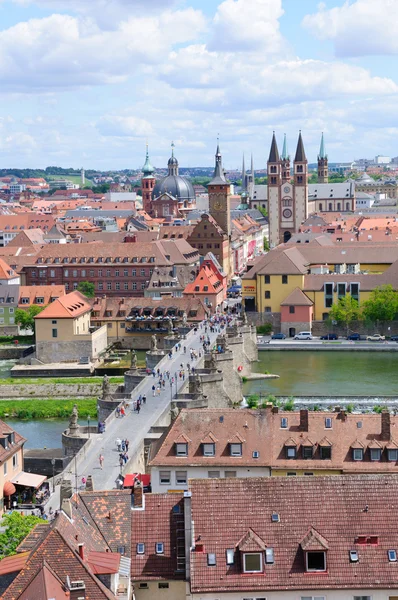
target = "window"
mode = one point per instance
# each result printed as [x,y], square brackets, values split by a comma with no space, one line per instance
[100,285]
[5,468]
[328,423]
[267,279]
[140,548]
[163,585]
[143,586]
[143,286]
[182,449]
[142,272]
[117,272]
[312,598]
[269,556]
[52,273]
[268,309]
[284,422]
[341,290]
[15,461]
[362,597]
[133,272]
[291,474]
[267,294]
[357,453]
[375,453]
[326,452]
[392,555]
[307,452]
[109,285]
[392,455]
[316,561]
[292,310]
[229,474]
[164,477]
[91,272]
[252,562]
[213,474]
[235,449]
[55,333]
[181,477]
[209,449]
[159,548]
[229,556]
[134,285]
[74,273]
[284,278]
[290,452]
[121,549]
[354,556]
[354,291]
[117,285]
[328,295]
[126,285]
[256,454]
[211,559]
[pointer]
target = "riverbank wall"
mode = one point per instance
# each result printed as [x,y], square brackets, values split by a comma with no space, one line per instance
[52,390]
[355,404]
[328,347]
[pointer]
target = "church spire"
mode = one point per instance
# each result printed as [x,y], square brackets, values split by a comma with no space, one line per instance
[322,153]
[173,162]
[274,152]
[285,152]
[300,152]
[243,174]
[147,169]
[218,176]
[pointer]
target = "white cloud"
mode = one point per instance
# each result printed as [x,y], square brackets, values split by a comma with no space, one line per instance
[242,25]
[360,28]
[120,126]
[62,51]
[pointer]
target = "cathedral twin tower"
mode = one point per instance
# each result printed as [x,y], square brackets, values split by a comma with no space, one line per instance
[287,201]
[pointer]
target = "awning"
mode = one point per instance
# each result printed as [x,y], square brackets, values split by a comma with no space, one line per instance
[29,480]
[143,478]
[9,489]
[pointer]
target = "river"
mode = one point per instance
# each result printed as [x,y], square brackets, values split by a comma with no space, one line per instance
[326,374]
[42,434]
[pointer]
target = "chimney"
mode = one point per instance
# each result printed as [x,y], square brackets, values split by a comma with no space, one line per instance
[385,425]
[81,550]
[342,415]
[303,419]
[138,495]
[77,589]
[275,410]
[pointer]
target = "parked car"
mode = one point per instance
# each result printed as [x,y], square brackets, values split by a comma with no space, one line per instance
[330,336]
[303,335]
[376,337]
[278,336]
[355,337]
[394,338]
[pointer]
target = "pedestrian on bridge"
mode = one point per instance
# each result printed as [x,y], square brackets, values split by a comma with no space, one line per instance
[101,461]
[153,390]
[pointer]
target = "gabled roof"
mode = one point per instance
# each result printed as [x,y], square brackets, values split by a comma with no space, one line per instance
[251,542]
[69,306]
[300,152]
[274,152]
[313,541]
[297,298]
[6,272]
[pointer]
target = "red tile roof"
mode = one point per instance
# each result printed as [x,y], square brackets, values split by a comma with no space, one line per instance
[322,513]
[69,306]
[159,522]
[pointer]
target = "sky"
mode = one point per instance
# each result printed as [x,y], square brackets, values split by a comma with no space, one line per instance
[86,83]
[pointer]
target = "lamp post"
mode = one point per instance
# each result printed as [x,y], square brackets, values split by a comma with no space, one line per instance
[176,383]
[171,389]
[53,465]
[88,425]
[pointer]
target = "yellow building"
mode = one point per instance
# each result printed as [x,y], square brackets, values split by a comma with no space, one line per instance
[323,270]
[64,333]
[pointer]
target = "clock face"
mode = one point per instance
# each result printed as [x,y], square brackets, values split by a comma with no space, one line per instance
[286,189]
[218,205]
[287,213]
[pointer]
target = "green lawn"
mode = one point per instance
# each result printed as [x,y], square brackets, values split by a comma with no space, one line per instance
[56,380]
[73,178]
[51,408]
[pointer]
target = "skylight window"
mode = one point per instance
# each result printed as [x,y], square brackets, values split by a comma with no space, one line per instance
[275,518]
[159,547]
[211,560]
[229,555]
[269,556]
[354,556]
[140,548]
[392,555]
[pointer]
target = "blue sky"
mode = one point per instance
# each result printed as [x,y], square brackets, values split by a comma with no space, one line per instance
[87,82]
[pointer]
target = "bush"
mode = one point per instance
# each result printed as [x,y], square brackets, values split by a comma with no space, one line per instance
[252,401]
[378,409]
[264,329]
[316,408]
[350,407]
[289,405]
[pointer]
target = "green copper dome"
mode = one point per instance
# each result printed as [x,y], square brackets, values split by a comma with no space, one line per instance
[147,170]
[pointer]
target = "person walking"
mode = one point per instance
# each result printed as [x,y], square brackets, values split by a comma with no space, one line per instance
[138,408]
[121,461]
[101,461]
[119,444]
[144,399]
[153,391]
[127,443]
[158,391]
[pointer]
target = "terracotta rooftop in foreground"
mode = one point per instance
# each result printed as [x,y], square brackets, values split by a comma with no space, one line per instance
[334,515]
[69,306]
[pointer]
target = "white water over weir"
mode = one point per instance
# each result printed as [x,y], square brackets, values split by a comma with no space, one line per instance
[358,404]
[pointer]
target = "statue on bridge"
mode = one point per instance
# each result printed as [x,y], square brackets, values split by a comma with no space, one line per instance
[73,424]
[106,388]
[211,362]
[195,385]
[133,365]
[174,411]
[154,343]
[170,327]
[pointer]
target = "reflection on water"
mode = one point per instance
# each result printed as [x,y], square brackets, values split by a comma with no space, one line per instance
[5,368]
[327,373]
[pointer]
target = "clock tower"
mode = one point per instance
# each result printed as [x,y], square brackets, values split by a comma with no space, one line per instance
[219,197]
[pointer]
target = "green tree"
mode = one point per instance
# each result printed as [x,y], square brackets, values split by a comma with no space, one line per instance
[345,311]
[17,528]
[382,305]
[26,318]
[87,288]
[263,211]
[266,245]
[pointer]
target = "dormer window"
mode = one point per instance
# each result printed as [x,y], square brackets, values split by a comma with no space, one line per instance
[315,561]
[357,453]
[182,449]
[235,449]
[314,546]
[307,449]
[290,448]
[392,454]
[209,449]
[252,562]
[325,449]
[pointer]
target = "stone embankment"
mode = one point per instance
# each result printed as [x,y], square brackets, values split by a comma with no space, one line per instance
[52,390]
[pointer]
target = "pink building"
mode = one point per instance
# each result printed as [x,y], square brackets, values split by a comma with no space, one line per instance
[296,313]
